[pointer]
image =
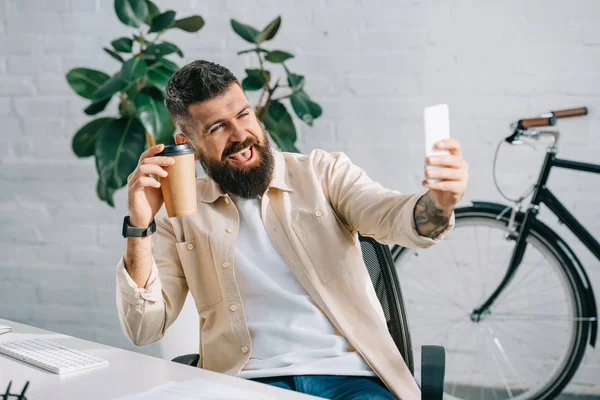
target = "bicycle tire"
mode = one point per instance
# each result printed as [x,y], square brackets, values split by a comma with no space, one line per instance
[548,238]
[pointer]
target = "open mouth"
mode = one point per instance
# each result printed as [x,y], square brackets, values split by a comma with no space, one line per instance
[243,157]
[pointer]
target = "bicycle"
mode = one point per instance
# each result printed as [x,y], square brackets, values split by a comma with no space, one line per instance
[518,322]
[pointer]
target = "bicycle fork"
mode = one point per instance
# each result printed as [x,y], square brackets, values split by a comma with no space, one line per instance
[517,256]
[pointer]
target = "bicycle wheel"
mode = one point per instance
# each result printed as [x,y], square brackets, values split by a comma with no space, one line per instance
[531,341]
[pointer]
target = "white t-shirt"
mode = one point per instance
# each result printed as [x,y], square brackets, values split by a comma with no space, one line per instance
[290,335]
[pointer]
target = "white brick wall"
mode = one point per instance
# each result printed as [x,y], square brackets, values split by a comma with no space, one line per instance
[373,66]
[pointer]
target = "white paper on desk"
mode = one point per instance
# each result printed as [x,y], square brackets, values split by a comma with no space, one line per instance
[197,389]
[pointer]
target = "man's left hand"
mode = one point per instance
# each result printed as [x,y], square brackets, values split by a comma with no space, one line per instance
[453,174]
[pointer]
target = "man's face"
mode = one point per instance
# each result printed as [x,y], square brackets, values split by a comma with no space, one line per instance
[231,143]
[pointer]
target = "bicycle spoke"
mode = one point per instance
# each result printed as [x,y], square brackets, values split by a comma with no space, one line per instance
[521,355]
[538,292]
[445,297]
[535,306]
[536,339]
[504,354]
[503,377]
[537,317]
[516,284]
[462,281]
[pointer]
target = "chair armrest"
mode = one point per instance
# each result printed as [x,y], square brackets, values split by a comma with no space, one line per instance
[433,368]
[188,359]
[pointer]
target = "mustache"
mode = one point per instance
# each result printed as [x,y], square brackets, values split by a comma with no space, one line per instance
[234,148]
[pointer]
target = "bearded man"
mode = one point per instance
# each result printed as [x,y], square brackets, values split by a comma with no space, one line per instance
[272,259]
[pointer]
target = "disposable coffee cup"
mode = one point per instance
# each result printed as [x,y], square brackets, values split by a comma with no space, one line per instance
[179,186]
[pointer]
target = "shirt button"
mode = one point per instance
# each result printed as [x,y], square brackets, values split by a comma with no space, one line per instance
[190,246]
[229,230]
[227,200]
[233,307]
[225,264]
[318,214]
[244,349]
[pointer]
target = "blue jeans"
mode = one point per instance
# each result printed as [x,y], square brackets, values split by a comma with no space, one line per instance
[333,386]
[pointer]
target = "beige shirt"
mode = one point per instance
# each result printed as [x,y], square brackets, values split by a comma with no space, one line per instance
[313,210]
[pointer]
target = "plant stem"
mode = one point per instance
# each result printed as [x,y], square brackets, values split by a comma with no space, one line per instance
[142,43]
[283,97]
[259,109]
[269,100]
[150,140]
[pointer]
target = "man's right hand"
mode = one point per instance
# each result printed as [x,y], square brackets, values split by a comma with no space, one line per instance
[144,196]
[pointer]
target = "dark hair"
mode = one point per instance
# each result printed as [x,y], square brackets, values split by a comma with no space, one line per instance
[198,81]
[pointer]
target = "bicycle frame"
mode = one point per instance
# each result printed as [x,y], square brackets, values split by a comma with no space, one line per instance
[542,195]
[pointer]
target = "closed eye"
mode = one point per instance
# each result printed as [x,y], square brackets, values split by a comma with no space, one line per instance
[216,128]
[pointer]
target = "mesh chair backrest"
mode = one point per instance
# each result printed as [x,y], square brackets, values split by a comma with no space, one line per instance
[380,265]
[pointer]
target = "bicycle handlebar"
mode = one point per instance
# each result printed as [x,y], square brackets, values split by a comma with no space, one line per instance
[536,122]
[571,112]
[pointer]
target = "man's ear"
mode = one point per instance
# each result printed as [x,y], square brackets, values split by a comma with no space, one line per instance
[180,138]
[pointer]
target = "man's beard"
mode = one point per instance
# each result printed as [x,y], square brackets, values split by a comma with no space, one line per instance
[250,182]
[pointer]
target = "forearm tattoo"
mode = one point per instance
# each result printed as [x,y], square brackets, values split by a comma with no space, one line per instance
[430,220]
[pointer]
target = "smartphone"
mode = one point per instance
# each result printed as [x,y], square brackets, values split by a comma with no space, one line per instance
[437,127]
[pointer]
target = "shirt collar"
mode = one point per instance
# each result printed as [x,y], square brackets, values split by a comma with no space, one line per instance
[212,190]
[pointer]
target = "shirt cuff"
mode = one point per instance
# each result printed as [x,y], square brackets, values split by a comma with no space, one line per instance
[411,229]
[131,292]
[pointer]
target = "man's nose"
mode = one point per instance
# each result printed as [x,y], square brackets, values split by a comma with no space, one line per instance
[238,133]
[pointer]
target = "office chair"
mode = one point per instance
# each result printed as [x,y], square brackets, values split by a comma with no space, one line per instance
[380,265]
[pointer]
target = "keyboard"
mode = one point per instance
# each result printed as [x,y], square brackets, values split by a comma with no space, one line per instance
[50,356]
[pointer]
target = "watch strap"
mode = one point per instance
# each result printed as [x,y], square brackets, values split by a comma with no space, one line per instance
[130,231]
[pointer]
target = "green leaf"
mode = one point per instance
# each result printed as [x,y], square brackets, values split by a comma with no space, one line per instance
[84,140]
[278,56]
[315,109]
[152,112]
[305,108]
[254,50]
[190,24]
[159,77]
[255,79]
[269,32]
[131,12]
[260,73]
[167,64]
[96,107]
[153,11]
[161,50]
[118,150]
[127,108]
[278,119]
[124,44]
[85,81]
[162,21]
[113,54]
[253,83]
[284,144]
[109,88]
[295,81]
[246,32]
[133,69]
[105,193]
[167,136]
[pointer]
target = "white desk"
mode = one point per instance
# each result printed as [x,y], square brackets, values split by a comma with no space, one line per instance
[127,373]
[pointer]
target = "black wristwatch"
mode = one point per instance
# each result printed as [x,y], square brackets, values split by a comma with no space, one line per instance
[130,231]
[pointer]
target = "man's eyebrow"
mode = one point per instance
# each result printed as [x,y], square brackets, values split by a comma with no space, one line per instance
[207,126]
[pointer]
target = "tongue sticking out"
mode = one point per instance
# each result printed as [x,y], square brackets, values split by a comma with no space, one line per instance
[243,156]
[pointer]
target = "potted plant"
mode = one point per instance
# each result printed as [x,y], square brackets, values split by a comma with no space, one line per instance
[270,108]
[143,119]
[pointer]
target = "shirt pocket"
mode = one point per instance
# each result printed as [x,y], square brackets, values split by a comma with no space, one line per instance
[318,233]
[198,266]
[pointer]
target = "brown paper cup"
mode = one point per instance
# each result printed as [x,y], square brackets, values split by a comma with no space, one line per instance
[179,187]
